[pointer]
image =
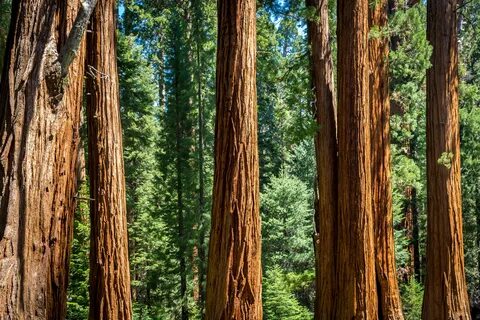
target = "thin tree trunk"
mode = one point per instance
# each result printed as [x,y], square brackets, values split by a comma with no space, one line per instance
[417,265]
[180,214]
[326,159]
[39,140]
[387,284]
[445,288]
[357,294]
[477,205]
[410,219]
[110,296]
[234,267]
[201,182]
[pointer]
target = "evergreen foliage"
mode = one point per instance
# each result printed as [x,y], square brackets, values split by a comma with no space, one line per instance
[280,302]
[166,59]
[5,13]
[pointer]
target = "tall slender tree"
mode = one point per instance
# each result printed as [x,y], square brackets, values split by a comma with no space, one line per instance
[356,296]
[234,267]
[326,157]
[40,99]
[445,288]
[198,9]
[387,285]
[110,296]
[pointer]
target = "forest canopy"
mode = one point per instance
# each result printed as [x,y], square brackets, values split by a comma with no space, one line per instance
[240,159]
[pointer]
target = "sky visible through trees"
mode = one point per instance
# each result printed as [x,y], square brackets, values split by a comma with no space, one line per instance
[308,160]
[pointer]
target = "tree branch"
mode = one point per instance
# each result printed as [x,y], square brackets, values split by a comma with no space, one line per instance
[71,46]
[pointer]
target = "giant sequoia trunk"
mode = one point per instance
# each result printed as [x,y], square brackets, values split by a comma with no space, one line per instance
[326,158]
[234,267]
[109,269]
[387,285]
[445,289]
[39,138]
[356,296]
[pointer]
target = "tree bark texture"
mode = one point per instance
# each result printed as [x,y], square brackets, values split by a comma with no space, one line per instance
[234,267]
[386,273]
[39,140]
[326,159]
[445,288]
[110,296]
[356,282]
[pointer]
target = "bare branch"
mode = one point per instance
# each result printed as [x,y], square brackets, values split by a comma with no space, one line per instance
[71,46]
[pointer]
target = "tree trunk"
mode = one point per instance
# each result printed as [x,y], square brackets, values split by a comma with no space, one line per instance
[412,233]
[477,206]
[110,296]
[326,159]
[180,211]
[445,288]
[201,182]
[39,140]
[387,285]
[234,267]
[357,294]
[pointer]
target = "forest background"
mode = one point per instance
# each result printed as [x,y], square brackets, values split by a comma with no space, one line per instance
[166,57]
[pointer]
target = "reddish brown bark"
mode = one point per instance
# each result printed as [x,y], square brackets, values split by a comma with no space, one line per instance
[234,266]
[445,288]
[387,285]
[39,124]
[356,296]
[110,296]
[326,159]
[411,231]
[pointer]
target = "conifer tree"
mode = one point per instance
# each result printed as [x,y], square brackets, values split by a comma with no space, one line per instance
[110,296]
[356,281]
[40,99]
[234,266]
[324,107]
[445,287]
[387,286]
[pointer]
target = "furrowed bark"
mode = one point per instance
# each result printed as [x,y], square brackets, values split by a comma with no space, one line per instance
[385,270]
[356,282]
[234,267]
[39,140]
[326,159]
[445,287]
[110,296]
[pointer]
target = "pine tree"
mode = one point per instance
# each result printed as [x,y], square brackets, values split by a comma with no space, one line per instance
[234,266]
[110,296]
[445,288]
[409,59]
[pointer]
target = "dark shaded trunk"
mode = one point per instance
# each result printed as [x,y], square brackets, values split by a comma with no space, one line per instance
[412,233]
[39,140]
[110,296]
[326,159]
[477,205]
[445,288]
[234,265]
